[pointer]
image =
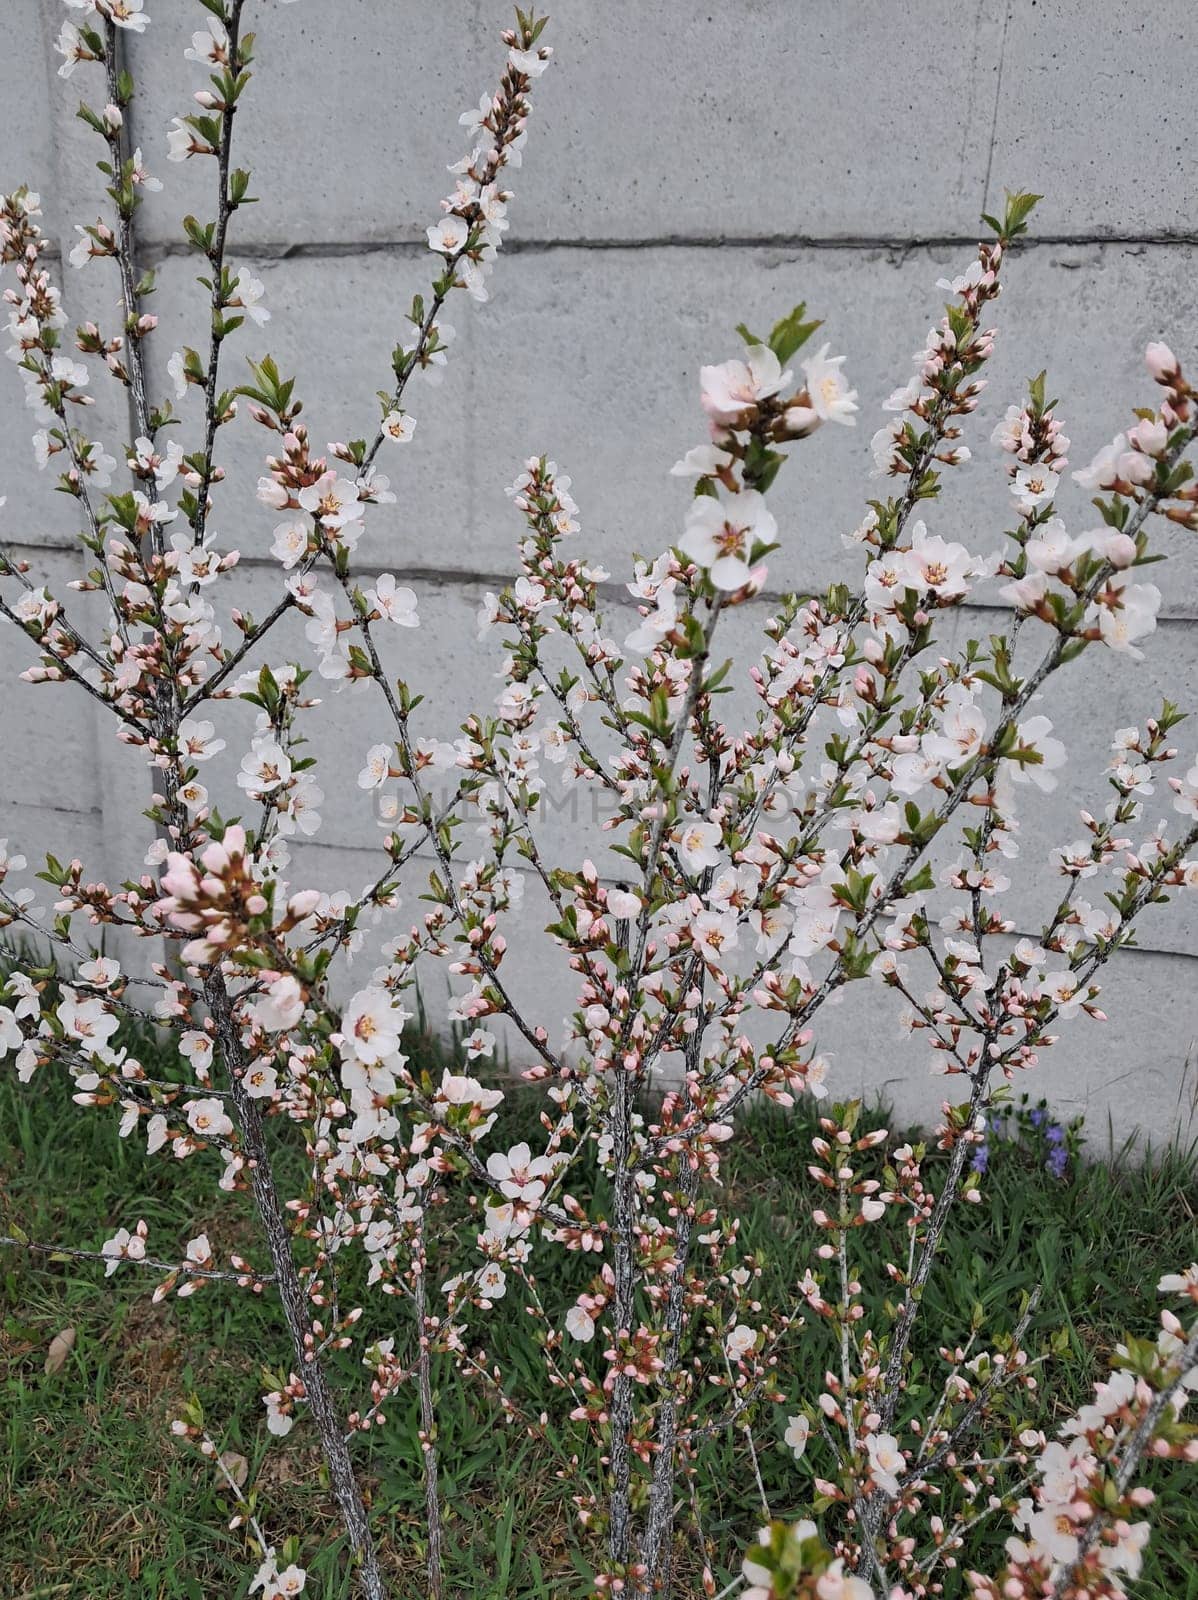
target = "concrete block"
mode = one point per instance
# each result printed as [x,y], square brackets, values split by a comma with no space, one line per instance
[27,156]
[682,174]
[1082,88]
[347,130]
[1087,702]
[35,830]
[731,120]
[70,786]
[47,746]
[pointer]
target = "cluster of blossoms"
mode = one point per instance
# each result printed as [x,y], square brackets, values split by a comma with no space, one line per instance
[1081,1530]
[861,827]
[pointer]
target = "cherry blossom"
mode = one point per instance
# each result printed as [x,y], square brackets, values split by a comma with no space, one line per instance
[937,564]
[334,500]
[886,1461]
[88,1021]
[798,1431]
[448,236]
[208,1119]
[703,461]
[290,543]
[721,536]
[11,1036]
[395,602]
[1129,617]
[124,1246]
[399,426]
[729,391]
[829,395]
[263,768]
[377,768]
[519,1174]
[740,1341]
[372,1027]
[1033,487]
[1047,755]
[699,845]
[210,48]
[580,1324]
[247,295]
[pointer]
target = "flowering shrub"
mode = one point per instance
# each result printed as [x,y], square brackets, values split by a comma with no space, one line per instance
[862,829]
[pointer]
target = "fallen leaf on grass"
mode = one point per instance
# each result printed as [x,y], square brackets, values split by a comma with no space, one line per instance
[60,1348]
[235,1466]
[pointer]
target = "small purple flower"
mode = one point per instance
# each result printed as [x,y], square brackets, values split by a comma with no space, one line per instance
[981,1159]
[1057,1161]
[1054,1133]
[1038,1117]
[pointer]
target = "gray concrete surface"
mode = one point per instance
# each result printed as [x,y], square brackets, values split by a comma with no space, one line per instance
[689,165]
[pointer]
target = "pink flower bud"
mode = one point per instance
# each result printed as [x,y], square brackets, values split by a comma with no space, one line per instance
[1162,363]
[1120,550]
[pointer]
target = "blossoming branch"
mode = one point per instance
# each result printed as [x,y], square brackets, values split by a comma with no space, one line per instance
[861,828]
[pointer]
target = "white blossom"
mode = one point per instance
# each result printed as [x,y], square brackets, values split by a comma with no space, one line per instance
[729,391]
[721,535]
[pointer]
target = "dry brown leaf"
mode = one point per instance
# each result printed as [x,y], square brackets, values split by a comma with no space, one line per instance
[60,1348]
[236,1467]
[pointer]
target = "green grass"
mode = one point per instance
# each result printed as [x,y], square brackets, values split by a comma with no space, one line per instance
[97,1501]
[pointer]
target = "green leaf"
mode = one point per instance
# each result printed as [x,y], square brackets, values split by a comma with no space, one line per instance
[792,333]
[1019,207]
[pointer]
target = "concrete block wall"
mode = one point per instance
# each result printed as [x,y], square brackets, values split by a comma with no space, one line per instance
[689,166]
